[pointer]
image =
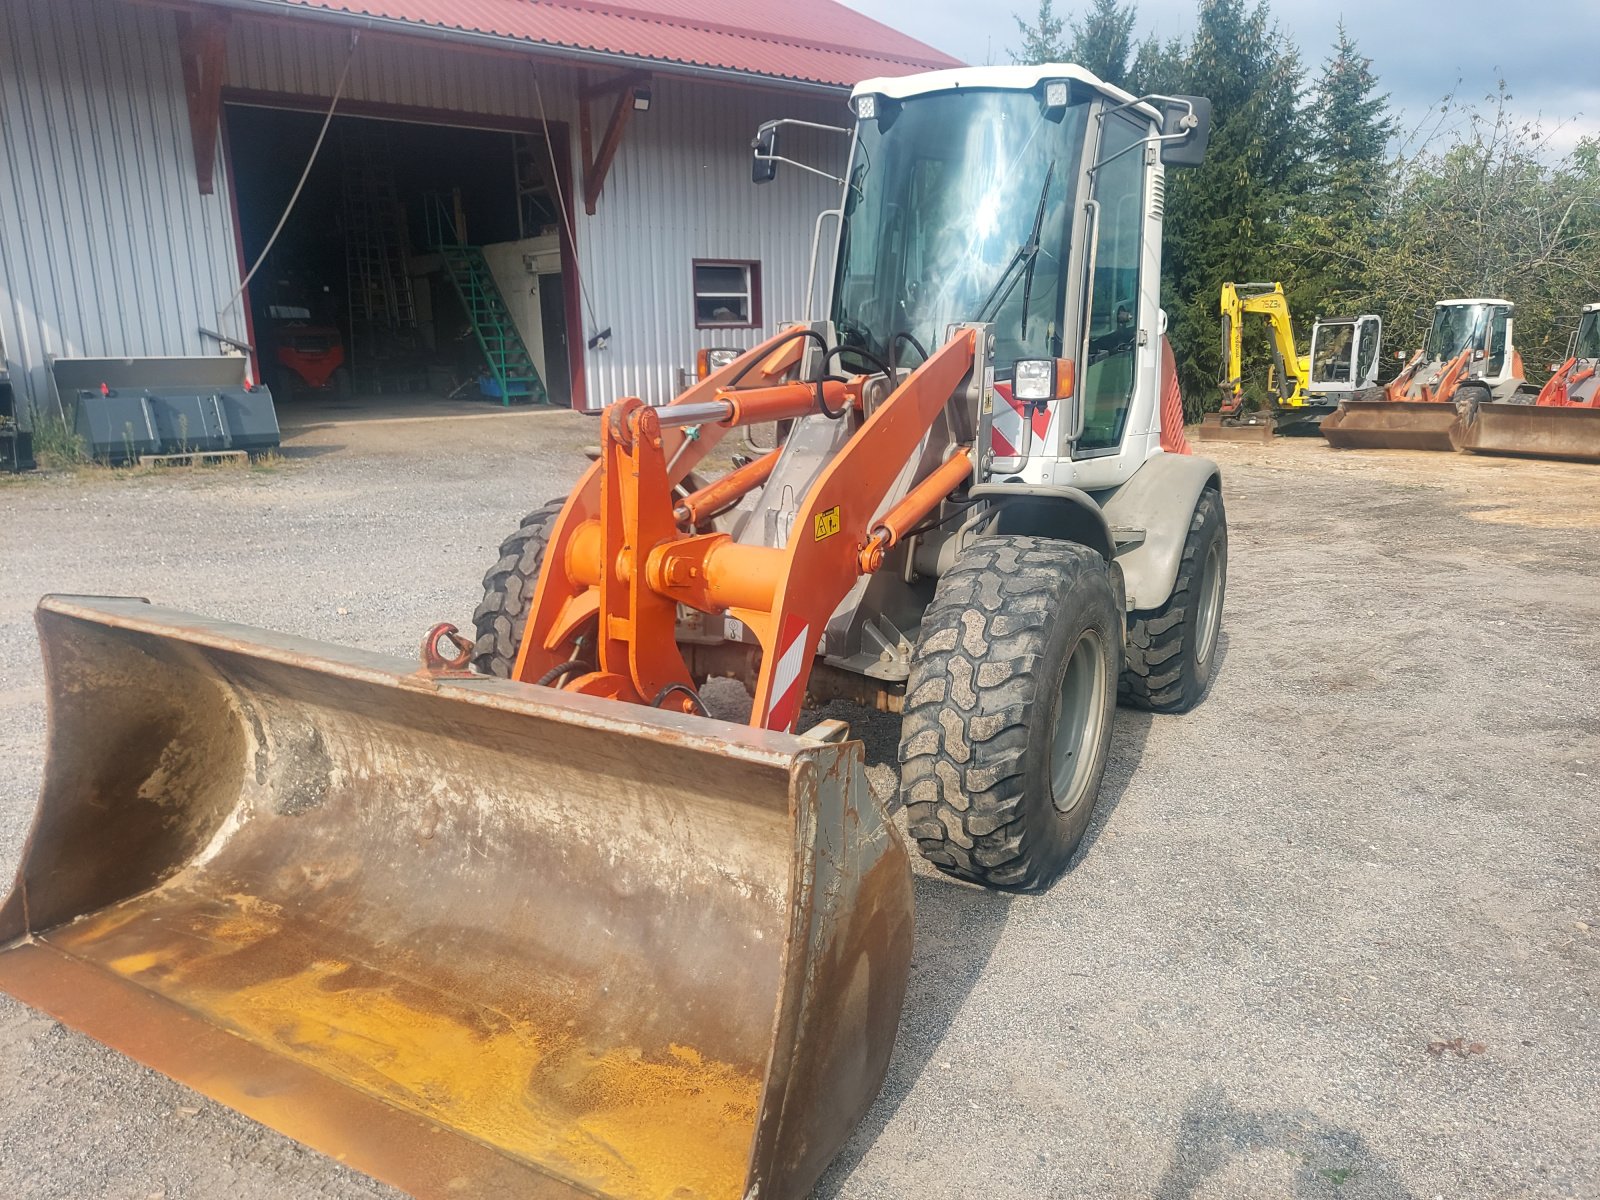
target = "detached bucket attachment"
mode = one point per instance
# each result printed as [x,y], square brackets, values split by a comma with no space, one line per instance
[473,937]
[1390,425]
[1248,427]
[1529,431]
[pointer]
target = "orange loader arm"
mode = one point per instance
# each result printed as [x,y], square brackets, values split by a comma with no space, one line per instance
[624,555]
[1557,391]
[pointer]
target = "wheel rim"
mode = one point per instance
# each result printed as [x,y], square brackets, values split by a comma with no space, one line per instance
[1209,618]
[1080,715]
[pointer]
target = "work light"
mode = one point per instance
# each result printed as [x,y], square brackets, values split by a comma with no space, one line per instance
[1035,379]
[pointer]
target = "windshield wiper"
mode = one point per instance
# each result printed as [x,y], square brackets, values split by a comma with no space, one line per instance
[1027,254]
[1033,253]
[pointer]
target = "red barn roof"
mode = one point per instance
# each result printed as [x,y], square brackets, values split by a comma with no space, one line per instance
[817,41]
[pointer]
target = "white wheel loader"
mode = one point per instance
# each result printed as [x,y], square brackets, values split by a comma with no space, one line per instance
[559,933]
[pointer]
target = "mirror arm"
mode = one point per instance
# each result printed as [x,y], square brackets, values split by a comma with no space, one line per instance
[1186,123]
[773,126]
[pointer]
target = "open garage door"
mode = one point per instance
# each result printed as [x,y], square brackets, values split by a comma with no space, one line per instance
[421,268]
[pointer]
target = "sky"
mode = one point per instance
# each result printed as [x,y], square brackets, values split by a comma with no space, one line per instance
[1547,51]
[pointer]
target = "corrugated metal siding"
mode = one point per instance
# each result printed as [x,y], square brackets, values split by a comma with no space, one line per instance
[679,188]
[106,245]
[107,248]
[305,60]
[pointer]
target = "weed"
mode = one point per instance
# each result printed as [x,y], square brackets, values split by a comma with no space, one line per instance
[55,443]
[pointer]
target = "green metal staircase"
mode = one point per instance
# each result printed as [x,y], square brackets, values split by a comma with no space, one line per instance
[510,364]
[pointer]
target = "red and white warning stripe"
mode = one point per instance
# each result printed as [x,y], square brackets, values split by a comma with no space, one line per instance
[794,651]
[1014,425]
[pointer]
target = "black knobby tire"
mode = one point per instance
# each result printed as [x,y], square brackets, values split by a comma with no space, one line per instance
[1172,650]
[508,590]
[989,686]
[1468,397]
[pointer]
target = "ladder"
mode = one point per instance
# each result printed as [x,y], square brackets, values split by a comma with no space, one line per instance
[510,365]
[376,268]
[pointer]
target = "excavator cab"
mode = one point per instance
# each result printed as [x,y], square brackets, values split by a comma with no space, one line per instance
[1345,354]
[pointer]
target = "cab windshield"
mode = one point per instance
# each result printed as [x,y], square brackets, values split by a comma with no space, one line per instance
[1455,328]
[959,209]
[1588,344]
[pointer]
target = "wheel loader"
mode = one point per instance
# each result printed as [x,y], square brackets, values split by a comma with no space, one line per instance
[524,919]
[1468,359]
[1563,421]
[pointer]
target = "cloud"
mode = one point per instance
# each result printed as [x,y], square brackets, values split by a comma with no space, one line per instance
[1421,51]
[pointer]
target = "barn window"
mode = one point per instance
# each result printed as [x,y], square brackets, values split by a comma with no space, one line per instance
[727,295]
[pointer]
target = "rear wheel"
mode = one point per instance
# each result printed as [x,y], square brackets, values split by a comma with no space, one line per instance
[508,590]
[1172,650]
[1468,396]
[1008,710]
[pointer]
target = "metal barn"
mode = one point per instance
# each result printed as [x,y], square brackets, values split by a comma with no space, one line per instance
[570,179]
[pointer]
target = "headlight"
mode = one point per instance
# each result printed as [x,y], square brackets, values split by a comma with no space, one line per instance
[1034,379]
[707,361]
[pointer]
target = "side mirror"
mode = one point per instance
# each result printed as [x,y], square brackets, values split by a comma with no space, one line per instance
[764,167]
[1186,120]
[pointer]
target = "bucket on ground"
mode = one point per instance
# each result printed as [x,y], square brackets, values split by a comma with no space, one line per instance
[469,936]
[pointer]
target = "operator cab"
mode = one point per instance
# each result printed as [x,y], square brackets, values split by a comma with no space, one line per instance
[1480,325]
[1029,199]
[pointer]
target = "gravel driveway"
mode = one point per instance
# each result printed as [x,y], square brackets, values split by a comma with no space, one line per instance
[1336,933]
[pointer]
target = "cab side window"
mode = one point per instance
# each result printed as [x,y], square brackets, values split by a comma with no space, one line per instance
[1497,342]
[1108,375]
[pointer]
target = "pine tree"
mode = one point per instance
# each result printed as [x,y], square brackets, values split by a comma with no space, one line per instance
[1336,235]
[1042,41]
[1350,132]
[1102,39]
[1157,66]
[1226,219]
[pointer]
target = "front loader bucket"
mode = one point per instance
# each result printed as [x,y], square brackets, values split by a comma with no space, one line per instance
[473,937]
[1390,425]
[1528,431]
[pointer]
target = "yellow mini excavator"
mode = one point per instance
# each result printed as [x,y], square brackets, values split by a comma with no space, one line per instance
[1296,399]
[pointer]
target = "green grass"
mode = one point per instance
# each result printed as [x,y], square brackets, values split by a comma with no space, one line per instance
[55,444]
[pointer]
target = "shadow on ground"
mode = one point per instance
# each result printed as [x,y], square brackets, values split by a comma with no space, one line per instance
[1328,1160]
[958,928]
[307,452]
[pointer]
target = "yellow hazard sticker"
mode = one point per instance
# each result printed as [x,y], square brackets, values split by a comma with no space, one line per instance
[827,523]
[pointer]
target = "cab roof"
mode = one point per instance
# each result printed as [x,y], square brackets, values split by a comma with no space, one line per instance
[1014,79]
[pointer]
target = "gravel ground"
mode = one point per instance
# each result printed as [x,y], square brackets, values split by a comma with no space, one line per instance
[1377,834]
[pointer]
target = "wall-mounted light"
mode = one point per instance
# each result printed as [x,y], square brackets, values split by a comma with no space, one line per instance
[641,99]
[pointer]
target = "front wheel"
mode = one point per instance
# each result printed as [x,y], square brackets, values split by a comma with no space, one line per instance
[1008,710]
[508,591]
[1468,397]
